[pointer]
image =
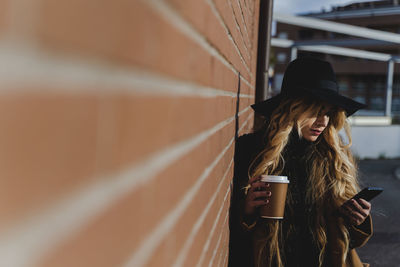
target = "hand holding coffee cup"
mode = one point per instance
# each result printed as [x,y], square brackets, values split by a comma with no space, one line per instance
[257,195]
[278,187]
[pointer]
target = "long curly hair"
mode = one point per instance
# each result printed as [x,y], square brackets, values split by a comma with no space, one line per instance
[331,173]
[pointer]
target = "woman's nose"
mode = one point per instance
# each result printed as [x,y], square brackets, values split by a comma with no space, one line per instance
[322,121]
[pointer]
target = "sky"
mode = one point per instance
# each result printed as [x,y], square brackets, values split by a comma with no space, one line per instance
[301,6]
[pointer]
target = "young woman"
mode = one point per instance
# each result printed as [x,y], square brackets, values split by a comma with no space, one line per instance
[322,224]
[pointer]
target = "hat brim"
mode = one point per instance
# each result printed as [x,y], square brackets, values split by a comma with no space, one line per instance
[266,107]
[350,106]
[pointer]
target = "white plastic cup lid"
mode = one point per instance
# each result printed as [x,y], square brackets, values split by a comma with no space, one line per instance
[274,179]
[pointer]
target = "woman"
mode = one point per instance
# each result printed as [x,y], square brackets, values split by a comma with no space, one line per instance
[322,224]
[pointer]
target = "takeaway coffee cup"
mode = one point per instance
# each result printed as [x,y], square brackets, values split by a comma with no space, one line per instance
[276,206]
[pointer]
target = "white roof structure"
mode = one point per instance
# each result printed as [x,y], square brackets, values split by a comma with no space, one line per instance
[334,50]
[352,30]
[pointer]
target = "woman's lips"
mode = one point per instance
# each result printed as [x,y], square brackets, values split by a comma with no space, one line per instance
[315,132]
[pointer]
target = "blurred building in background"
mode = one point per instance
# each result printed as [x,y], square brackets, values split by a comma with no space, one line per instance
[362,79]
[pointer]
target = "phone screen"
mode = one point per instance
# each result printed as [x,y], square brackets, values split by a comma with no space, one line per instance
[368,193]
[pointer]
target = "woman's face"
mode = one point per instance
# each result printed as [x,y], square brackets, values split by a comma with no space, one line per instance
[315,125]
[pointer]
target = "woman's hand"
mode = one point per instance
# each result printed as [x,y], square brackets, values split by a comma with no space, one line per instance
[257,195]
[356,211]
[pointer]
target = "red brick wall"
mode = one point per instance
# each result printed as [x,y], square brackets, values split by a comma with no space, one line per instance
[117,129]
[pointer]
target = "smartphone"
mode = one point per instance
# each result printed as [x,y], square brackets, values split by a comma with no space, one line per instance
[368,193]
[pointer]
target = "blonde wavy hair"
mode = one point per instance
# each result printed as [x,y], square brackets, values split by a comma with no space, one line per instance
[331,173]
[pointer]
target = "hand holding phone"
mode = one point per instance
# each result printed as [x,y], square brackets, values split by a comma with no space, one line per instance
[368,193]
[358,207]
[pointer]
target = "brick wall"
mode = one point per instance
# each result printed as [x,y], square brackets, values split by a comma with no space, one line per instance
[117,129]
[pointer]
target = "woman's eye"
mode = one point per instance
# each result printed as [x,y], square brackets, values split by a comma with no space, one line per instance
[331,113]
[321,112]
[325,113]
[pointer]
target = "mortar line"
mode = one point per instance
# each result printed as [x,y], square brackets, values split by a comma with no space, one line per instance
[176,19]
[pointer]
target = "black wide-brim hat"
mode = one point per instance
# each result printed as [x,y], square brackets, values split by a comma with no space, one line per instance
[311,78]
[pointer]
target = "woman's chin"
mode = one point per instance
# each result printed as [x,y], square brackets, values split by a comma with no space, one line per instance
[311,138]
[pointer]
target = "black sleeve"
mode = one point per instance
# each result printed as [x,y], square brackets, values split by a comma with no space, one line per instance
[240,244]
